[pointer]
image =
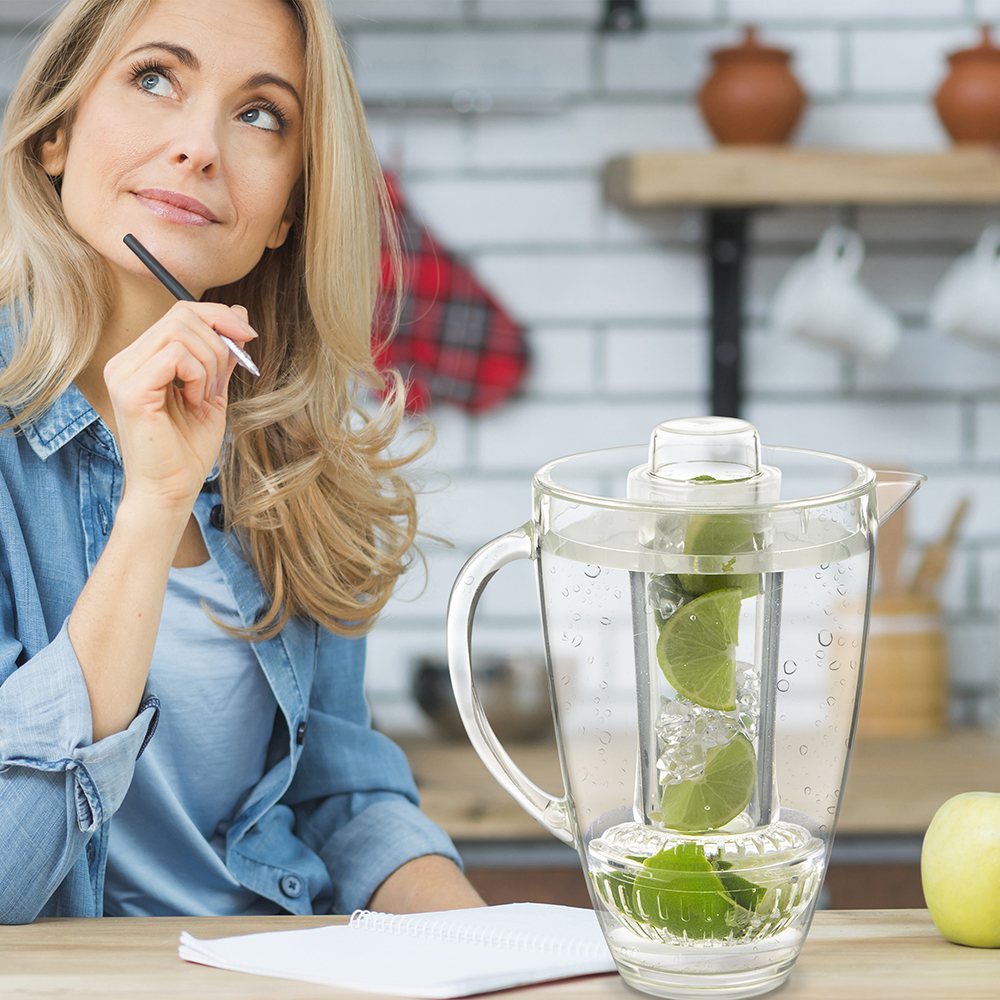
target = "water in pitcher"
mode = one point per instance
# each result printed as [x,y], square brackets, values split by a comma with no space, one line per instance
[704,874]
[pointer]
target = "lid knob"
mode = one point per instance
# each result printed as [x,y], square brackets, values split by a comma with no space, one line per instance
[705,460]
[704,449]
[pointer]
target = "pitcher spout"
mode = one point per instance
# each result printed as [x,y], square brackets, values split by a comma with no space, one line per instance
[893,489]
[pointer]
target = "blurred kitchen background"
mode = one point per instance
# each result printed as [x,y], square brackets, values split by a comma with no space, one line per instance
[616,304]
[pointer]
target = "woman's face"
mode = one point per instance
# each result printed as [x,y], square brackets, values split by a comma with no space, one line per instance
[191,140]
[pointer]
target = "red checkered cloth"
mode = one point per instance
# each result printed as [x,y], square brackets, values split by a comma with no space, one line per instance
[454,343]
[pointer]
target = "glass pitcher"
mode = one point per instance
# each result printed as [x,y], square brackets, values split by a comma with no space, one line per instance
[704,608]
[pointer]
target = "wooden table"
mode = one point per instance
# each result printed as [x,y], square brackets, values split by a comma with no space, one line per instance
[864,955]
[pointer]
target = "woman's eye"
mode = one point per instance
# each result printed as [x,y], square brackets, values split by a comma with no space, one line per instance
[156,83]
[260,118]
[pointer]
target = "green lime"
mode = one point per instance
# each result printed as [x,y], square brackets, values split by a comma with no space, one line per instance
[719,535]
[680,891]
[721,794]
[695,649]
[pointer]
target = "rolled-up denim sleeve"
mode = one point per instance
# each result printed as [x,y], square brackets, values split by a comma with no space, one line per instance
[353,794]
[57,786]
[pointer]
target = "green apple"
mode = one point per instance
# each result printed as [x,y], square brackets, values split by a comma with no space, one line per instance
[960,869]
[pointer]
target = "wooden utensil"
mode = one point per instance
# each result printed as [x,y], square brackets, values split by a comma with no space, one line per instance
[935,558]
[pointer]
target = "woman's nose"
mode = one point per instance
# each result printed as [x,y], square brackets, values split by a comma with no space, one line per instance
[196,148]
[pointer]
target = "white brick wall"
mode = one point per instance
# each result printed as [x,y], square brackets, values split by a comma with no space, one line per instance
[615,304]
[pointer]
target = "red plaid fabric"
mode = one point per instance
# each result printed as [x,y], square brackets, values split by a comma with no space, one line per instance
[454,343]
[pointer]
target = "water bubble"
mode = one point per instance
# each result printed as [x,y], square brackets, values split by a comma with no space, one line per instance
[597,701]
[605,620]
[825,637]
[593,572]
[790,666]
[604,737]
[807,790]
[782,685]
[832,810]
[565,592]
[577,616]
[824,565]
[831,701]
[567,705]
[590,659]
[469,581]
[582,730]
[583,774]
[565,680]
[603,685]
[618,593]
[803,750]
[576,588]
[835,664]
[577,639]
[822,828]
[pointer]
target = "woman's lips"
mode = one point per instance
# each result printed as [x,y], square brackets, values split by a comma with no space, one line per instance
[176,207]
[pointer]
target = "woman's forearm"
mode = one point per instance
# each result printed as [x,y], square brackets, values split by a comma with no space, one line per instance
[431,882]
[115,620]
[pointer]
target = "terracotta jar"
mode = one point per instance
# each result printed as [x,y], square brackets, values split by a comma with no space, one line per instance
[751,95]
[968,101]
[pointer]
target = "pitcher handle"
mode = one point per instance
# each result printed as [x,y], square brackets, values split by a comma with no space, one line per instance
[552,811]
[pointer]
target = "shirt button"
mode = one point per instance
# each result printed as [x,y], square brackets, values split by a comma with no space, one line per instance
[217,516]
[300,734]
[291,886]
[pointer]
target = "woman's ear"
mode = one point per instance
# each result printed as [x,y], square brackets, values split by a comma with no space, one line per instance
[53,153]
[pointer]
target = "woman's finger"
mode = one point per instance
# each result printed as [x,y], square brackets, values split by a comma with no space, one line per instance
[206,320]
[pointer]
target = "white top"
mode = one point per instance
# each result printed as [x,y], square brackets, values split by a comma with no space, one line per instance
[167,841]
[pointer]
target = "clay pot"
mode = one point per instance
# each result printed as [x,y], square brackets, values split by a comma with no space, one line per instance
[968,101]
[751,95]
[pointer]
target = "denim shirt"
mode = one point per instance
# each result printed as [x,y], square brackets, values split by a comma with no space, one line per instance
[336,811]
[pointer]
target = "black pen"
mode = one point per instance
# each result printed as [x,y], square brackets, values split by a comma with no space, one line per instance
[180,292]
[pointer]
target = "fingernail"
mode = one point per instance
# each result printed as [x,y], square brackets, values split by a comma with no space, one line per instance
[250,329]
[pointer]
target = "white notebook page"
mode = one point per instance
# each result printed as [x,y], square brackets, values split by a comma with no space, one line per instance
[448,954]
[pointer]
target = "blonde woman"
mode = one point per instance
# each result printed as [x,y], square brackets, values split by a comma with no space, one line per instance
[190,556]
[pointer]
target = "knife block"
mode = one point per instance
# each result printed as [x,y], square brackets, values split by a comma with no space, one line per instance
[904,688]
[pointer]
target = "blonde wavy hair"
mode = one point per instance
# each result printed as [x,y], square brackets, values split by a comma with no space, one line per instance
[319,507]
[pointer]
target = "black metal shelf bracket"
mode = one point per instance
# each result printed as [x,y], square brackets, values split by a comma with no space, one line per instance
[726,230]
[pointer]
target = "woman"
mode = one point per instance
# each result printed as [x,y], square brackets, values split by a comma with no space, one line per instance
[186,548]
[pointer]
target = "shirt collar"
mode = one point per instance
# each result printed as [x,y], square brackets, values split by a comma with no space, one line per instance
[62,421]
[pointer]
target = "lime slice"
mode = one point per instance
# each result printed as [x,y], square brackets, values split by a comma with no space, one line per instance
[719,535]
[680,891]
[721,794]
[695,649]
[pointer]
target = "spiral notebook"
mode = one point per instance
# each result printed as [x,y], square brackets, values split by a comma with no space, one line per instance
[453,953]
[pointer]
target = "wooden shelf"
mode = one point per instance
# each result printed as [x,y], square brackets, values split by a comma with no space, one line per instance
[748,176]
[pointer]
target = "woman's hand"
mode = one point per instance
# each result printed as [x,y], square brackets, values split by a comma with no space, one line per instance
[169,394]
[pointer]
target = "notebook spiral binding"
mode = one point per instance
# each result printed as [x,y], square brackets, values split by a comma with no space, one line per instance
[443,930]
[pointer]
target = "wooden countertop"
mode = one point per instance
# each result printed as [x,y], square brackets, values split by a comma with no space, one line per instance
[861,954]
[894,786]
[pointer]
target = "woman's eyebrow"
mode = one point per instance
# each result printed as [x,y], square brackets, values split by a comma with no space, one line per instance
[260,79]
[184,56]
